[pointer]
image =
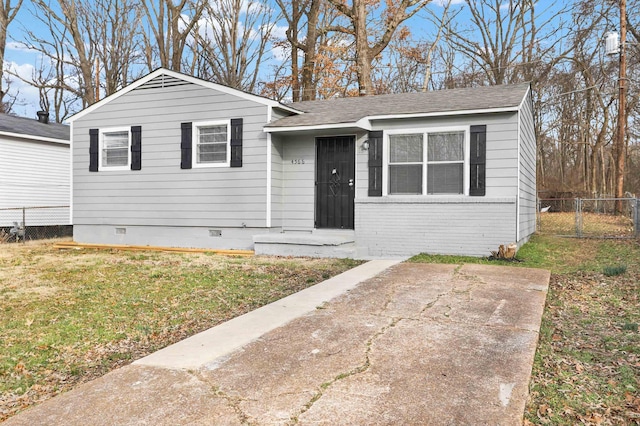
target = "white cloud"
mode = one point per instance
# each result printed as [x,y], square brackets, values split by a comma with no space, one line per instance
[24,71]
[443,3]
[19,47]
[28,98]
[279,31]
[280,53]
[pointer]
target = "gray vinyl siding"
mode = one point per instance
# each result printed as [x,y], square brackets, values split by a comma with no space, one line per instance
[461,225]
[34,174]
[298,197]
[502,145]
[277,177]
[470,226]
[362,166]
[527,207]
[276,183]
[278,113]
[162,194]
[298,200]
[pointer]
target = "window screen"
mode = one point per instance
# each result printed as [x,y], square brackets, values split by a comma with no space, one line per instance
[405,164]
[115,149]
[445,161]
[212,144]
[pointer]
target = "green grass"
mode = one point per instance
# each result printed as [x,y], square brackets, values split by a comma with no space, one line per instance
[587,364]
[69,316]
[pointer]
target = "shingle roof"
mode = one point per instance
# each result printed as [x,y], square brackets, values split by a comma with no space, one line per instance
[350,110]
[32,127]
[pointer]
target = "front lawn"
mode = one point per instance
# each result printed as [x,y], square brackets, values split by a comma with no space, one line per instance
[67,317]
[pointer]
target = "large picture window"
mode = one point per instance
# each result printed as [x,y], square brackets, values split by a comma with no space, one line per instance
[426,163]
[211,141]
[115,149]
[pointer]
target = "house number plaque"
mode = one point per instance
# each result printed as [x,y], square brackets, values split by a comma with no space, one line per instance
[297,161]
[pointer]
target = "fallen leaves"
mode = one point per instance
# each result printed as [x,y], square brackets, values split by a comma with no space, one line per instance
[110,308]
[586,370]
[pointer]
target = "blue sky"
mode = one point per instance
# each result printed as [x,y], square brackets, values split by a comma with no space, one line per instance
[24,61]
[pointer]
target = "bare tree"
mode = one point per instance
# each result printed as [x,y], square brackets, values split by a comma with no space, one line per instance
[496,32]
[90,48]
[117,46]
[232,39]
[7,14]
[372,36]
[170,25]
[311,44]
[407,65]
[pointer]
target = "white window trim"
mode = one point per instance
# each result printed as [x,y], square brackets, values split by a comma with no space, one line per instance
[424,131]
[101,146]
[195,139]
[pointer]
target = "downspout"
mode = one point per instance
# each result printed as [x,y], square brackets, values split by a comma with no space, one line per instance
[71,174]
[268,216]
[519,175]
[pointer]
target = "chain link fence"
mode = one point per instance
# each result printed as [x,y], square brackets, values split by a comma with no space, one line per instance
[589,217]
[19,224]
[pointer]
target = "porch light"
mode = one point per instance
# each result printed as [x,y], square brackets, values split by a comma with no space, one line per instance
[365,145]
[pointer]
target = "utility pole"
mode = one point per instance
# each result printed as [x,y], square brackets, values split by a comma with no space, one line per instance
[620,145]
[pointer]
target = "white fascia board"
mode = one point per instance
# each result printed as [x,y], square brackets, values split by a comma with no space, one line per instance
[363,123]
[443,113]
[524,98]
[185,77]
[34,138]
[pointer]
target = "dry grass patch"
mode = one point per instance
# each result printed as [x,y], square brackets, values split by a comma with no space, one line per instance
[593,225]
[70,316]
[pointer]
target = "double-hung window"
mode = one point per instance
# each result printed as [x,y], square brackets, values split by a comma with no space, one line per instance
[406,164]
[115,149]
[445,163]
[212,143]
[425,163]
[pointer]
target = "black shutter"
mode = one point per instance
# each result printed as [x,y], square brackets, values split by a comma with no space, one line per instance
[93,150]
[477,160]
[136,148]
[185,146]
[375,164]
[236,142]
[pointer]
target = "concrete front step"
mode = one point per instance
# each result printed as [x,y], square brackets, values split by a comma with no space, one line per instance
[333,243]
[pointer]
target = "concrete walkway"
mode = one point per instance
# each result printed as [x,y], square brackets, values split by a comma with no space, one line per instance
[414,344]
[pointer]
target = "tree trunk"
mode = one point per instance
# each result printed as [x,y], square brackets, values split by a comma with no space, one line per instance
[363,62]
[620,146]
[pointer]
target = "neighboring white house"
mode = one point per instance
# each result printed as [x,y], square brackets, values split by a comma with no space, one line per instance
[34,171]
[173,160]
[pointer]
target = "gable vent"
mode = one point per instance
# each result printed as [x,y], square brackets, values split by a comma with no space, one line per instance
[161,82]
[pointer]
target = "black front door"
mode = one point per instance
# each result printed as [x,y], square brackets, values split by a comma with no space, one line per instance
[335,182]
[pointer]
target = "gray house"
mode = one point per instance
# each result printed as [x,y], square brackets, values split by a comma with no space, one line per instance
[35,171]
[172,160]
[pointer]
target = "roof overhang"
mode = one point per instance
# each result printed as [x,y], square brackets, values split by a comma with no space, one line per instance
[187,78]
[365,123]
[34,138]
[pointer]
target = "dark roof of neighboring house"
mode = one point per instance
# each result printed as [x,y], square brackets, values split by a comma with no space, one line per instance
[32,128]
[350,110]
